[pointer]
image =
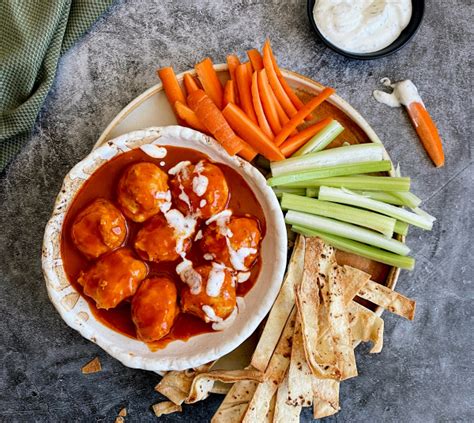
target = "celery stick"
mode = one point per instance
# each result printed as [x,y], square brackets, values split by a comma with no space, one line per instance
[366,183]
[409,199]
[346,230]
[322,139]
[360,249]
[340,196]
[330,171]
[297,191]
[312,192]
[334,156]
[401,228]
[386,197]
[423,214]
[370,220]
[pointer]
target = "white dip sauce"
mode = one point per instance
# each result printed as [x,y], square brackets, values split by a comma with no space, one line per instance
[362,26]
[404,93]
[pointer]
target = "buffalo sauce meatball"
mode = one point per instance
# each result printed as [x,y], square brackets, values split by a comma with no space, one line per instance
[154,308]
[143,191]
[233,241]
[199,189]
[215,297]
[112,278]
[99,228]
[165,238]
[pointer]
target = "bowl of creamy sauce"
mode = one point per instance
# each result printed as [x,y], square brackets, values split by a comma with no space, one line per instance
[365,29]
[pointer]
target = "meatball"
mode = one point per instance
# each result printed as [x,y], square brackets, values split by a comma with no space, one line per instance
[216,298]
[143,191]
[112,278]
[199,189]
[233,241]
[154,308]
[165,238]
[99,228]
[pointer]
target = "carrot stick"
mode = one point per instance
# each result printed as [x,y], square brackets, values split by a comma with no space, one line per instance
[251,133]
[268,102]
[257,105]
[289,92]
[248,152]
[210,82]
[427,132]
[255,59]
[190,83]
[211,117]
[280,93]
[232,63]
[297,119]
[171,86]
[229,92]
[249,68]
[293,143]
[189,117]
[282,116]
[244,83]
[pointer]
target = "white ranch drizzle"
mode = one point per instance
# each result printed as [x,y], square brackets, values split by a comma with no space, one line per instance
[224,324]
[237,257]
[183,227]
[154,151]
[210,314]
[200,182]
[215,280]
[209,256]
[189,276]
[243,277]
[179,167]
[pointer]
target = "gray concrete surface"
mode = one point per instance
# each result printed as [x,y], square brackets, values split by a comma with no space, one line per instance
[425,371]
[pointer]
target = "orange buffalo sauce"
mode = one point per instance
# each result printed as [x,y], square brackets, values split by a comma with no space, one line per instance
[103,183]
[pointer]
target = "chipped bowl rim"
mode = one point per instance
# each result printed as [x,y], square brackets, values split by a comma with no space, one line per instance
[199,349]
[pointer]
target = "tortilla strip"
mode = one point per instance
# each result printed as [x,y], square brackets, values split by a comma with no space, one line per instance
[313,312]
[269,417]
[339,325]
[388,299]
[352,280]
[365,326]
[220,388]
[299,374]
[203,382]
[235,402]
[281,308]
[175,385]
[284,412]
[166,407]
[279,362]
[325,397]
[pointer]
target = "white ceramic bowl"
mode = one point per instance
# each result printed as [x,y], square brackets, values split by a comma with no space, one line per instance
[200,349]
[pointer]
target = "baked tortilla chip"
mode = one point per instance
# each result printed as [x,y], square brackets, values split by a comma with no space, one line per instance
[325,397]
[311,301]
[166,407]
[204,382]
[274,375]
[281,308]
[92,366]
[235,403]
[365,326]
[175,385]
[284,412]
[352,280]
[388,299]
[339,324]
[269,417]
[299,374]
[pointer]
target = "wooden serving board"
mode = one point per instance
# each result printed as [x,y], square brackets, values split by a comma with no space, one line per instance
[151,108]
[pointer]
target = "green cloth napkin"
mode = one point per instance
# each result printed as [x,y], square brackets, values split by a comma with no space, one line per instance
[33,35]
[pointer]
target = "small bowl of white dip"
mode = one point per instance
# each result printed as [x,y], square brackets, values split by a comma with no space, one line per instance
[365,29]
